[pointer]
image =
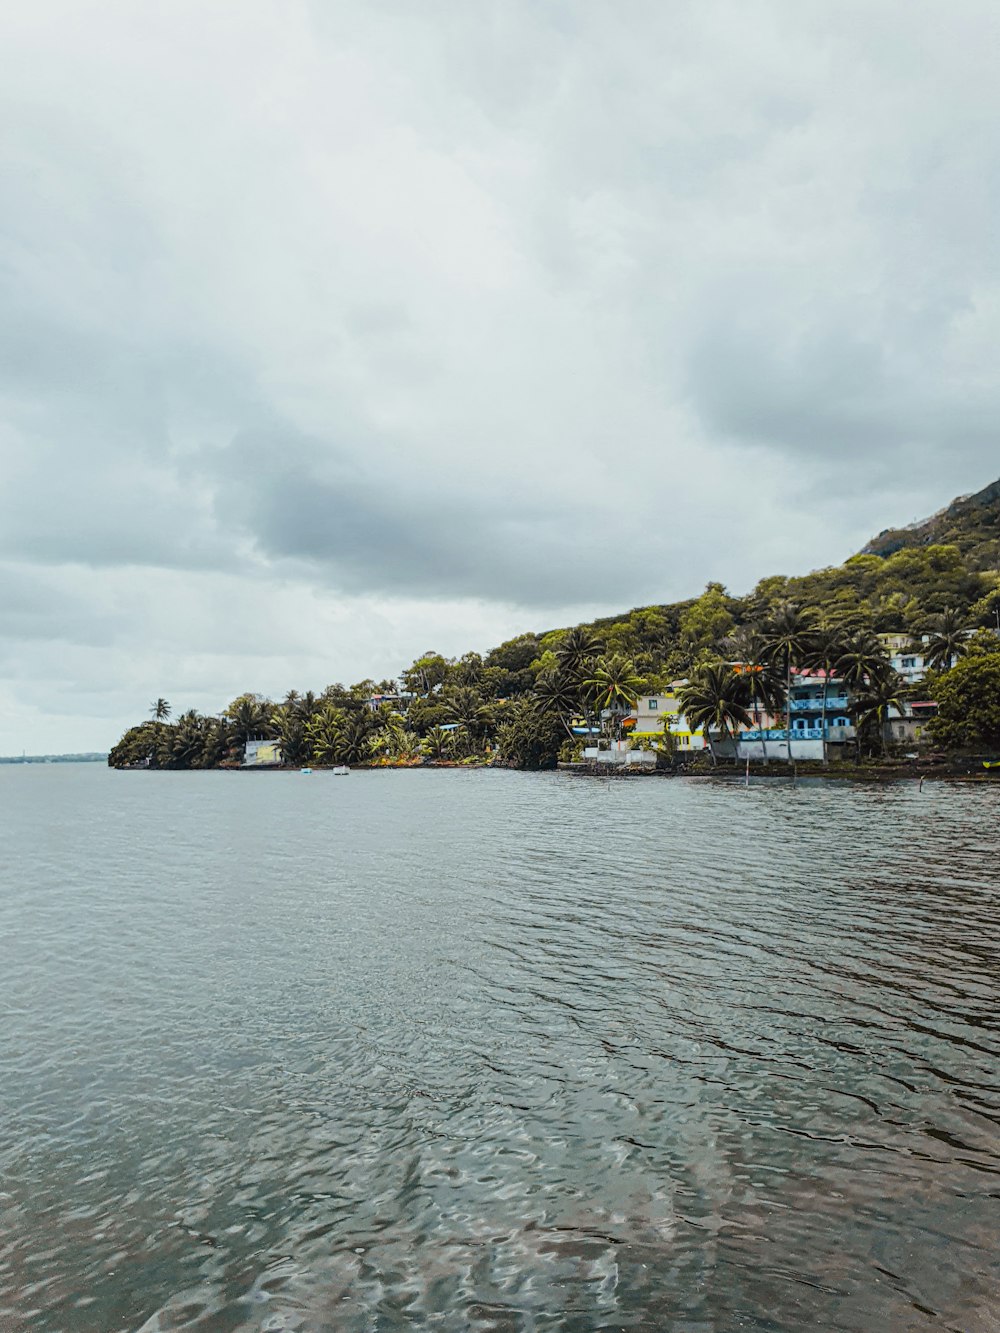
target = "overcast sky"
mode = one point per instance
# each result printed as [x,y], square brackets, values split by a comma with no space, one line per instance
[334,332]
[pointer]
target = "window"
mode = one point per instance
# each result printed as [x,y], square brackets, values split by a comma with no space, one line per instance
[652,705]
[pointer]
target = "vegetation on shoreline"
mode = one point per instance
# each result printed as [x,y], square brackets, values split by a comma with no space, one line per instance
[516,705]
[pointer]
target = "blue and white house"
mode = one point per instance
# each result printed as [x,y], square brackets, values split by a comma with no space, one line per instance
[813,725]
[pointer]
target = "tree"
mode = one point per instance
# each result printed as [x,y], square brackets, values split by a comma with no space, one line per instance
[159,711]
[968,699]
[250,716]
[788,636]
[577,650]
[558,696]
[706,621]
[871,707]
[716,696]
[828,645]
[288,725]
[467,708]
[427,674]
[437,744]
[393,743]
[947,642]
[862,660]
[527,738]
[613,683]
[762,681]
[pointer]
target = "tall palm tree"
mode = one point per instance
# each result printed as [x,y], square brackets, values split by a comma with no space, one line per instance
[948,639]
[716,696]
[862,665]
[466,707]
[827,647]
[557,693]
[788,636]
[250,716]
[578,649]
[871,707]
[614,682]
[613,685]
[763,684]
[159,711]
[862,659]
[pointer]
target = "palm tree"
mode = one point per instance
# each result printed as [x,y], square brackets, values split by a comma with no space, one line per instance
[288,725]
[437,744]
[613,686]
[862,659]
[577,651]
[862,664]
[613,682]
[323,735]
[352,732]
[466,707]
[828,646]
[159,711]
[763,684]
[948,640]
[557,693]
[251,718]
[394,742]
[871,707]
[716,696]
[787,638]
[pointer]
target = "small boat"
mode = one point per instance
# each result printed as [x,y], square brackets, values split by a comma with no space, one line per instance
[340,771]
[305,770]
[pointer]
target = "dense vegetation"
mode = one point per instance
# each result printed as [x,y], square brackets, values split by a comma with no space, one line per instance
[517,704]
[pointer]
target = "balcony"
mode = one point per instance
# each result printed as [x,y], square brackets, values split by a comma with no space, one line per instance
[834,703]
[799,734]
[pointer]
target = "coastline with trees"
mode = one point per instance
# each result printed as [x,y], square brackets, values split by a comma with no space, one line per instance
[536,700]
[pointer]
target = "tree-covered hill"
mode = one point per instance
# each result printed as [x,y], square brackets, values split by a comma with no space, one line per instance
[516,703]
[971,524]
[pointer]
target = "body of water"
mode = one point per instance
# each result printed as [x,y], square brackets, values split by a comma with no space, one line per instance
[496,1051]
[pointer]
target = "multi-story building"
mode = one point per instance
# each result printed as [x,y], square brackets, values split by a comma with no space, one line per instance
[650,713]
[815,725]
[905,658]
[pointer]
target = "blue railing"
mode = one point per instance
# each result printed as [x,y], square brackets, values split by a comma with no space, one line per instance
[833,703]
[780,734]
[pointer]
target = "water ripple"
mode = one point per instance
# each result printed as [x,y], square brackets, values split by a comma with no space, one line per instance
[496,1051]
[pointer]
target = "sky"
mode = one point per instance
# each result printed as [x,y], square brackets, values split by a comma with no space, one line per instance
[335,332]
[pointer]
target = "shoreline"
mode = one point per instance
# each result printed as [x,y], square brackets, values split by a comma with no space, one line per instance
[957,772]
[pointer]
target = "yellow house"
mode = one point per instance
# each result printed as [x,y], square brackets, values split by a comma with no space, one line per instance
[650,712]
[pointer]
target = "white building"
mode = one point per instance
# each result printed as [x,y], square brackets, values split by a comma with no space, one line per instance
[261,754]
[619,753]
[906,660]
[650,712]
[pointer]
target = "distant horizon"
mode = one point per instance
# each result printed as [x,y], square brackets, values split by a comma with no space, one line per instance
[78,756]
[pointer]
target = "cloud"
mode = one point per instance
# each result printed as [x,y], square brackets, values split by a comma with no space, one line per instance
[485,316]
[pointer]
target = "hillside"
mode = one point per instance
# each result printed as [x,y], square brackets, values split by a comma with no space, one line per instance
[971,522]
[462,709]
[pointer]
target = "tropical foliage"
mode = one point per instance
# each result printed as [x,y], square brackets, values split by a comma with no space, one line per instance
[539,697]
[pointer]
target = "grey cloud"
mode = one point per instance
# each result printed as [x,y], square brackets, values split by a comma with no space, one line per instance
[373,526]
[494,303]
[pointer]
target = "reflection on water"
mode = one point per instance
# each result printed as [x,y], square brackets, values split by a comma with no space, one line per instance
[496,1051]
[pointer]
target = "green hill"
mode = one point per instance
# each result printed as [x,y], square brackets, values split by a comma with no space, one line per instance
[462,709]
[971,523]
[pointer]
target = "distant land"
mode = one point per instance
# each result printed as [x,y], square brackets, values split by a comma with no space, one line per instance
[91,757]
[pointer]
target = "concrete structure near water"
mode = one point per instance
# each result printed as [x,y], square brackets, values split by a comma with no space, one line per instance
[262,754]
